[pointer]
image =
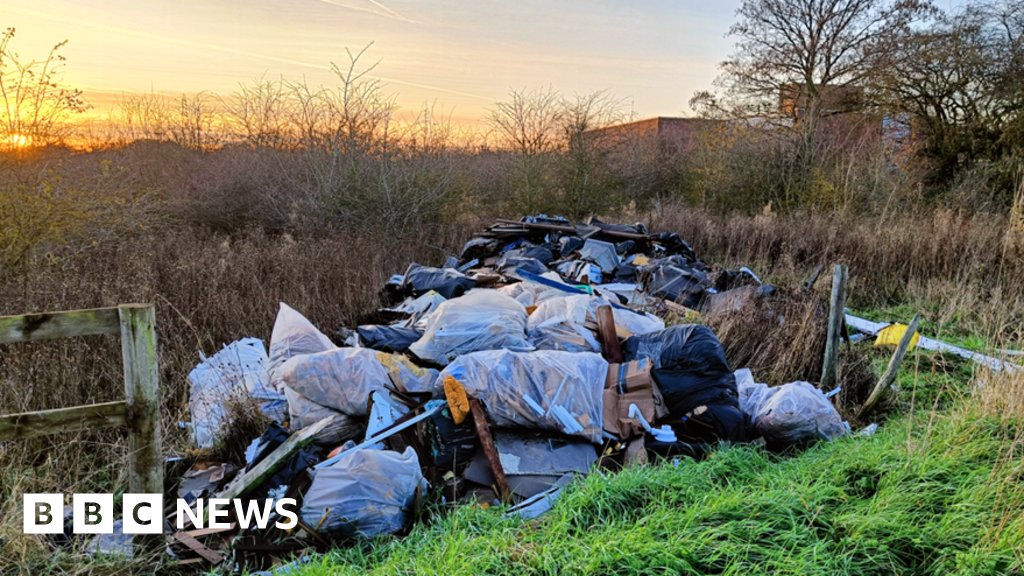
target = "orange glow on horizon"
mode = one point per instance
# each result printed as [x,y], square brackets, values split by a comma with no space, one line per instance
[15,140]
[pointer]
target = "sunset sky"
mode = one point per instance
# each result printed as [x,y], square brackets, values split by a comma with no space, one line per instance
[463,55]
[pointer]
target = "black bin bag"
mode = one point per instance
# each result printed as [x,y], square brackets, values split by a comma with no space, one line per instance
[694,377]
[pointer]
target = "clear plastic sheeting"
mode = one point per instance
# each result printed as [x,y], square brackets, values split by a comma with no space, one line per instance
[366,493]
[798,413]
[753,395]
[239,371]
[542,390]
[293,335]
[304,412]
[481,320]
[341,379]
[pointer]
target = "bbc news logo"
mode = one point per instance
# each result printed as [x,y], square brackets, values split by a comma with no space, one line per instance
[143,513]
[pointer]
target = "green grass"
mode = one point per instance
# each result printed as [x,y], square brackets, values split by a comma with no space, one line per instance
[919,497]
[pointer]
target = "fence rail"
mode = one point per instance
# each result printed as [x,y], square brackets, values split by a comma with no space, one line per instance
[139,411]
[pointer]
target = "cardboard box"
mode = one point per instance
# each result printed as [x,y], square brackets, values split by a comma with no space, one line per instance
[631,383]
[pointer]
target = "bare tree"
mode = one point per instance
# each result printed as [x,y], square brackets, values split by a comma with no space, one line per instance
[257,112]
[805,48]
[589,184]
[191,124]
[35,105]
[528,126]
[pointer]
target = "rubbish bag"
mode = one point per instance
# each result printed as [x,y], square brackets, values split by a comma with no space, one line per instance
[409,377]
[419,309]
[388,338]
[304,412]
[796,414]
[341,379]
[690,367]
[557,324]
[712,423]
[601,253]
[569,245]
[365,493]
[514,262]
[684,285]
[753,395]
[480,320]
[447,282]
[238,371]
[293,335]
[543,390]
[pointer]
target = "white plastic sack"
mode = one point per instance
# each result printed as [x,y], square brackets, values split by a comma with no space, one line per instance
[482,319]
[293,335]
[366,493]
[557,324]
[544,390]
[420,309]
[341,379]
[304,412]
[753,395]
[405,374]
[238,371]
[530,293]
[796,413]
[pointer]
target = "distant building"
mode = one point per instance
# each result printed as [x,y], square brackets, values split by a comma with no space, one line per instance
[674,134]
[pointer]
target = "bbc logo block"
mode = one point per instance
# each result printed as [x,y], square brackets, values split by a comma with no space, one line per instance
[93,513]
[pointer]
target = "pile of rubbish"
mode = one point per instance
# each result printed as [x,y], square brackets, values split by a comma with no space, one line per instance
[537,355]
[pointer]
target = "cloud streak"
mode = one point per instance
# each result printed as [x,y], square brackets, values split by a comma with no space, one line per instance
[381,10]
[217,48]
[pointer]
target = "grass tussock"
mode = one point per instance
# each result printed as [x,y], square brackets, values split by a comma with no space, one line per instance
[923,496]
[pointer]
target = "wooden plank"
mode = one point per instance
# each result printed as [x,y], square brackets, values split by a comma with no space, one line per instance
[809,285]
[836,319]
[76,419]
[197,547]
[141,391]
[487,443]
[882,388]
[274,461]
[50,325]
[209,531]
[537,226]
[609,338]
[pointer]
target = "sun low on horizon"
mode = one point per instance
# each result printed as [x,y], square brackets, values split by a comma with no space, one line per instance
[460,57]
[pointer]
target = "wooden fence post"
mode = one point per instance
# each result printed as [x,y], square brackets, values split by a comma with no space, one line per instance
[836,321]
[882,388]
[141,387]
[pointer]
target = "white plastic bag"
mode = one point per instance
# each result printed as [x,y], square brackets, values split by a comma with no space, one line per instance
[482,319]
[365,493]
[341,379]
[238,371]
[544,390]
[292,336]
[797,413]
[753,395]
[304,412]
[558,324]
